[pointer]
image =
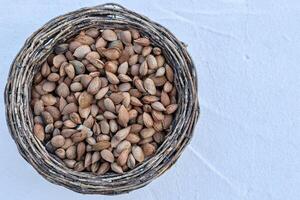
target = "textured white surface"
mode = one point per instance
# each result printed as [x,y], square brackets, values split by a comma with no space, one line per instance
[246,145]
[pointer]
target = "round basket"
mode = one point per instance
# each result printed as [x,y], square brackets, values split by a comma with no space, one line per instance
[39,46]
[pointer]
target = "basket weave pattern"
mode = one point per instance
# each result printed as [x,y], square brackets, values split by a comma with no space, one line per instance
[40,45]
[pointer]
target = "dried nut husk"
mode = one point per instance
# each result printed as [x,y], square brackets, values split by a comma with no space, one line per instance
[82,51]
[109,105]
[84,39]
[133,138]
[150,86]
[107,155]
[47,118]
[160,71]
[100,43]
[122,159]
[96,62]
[69,108]
[142,41]
[113,126]
[101,93]
[125,37]
[116,44]
[111,53]
[70,71]
[116,168]
[85,99]
[123,68]
[171,108]
[157,116]
[156,51]
[95,167]
[147,119]
[80,150]
[151,61]
[119,136]
[135,101]
[96,157]
[61,153]
[53,77]
[104,167]
[169,73]
[71,152]
[88,160]
[48,99]
[147,132]
[150,99]
[112,78]
[70,163]
[158,106]
[39,132]
[124,78]
[76,87]
[79,136]
[101,145]
[78,66]
[123,116]
[58,141]
[109,115]
[117,98]
[49,86]
[137,153]
[58,60]
[79,166]
[62,90]
[94,86]
[168,87]
[131,161]
[109,35]
[148,149]
[143,69]
[38,107]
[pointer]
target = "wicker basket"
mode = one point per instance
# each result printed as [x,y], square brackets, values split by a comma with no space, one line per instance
[36,49]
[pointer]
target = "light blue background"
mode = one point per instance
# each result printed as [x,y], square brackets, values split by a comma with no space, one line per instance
[247,142]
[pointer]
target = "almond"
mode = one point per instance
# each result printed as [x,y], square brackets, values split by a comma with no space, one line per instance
[94,86]
[85,100]
[116,168]
[58,60]
[123,116]
[101,145]
[137,153]
[109,35]
[150,86]
[142,41]
[58,141]
[158,106]
[112,78]
[82,51]
[147,132]
[148,121]
[38,131]
[101,93]
[62,90]
[107,156]
[70,108]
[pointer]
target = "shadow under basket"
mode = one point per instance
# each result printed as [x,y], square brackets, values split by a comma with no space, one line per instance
[35,51]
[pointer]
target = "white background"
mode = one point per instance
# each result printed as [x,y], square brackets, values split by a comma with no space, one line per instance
[246,144]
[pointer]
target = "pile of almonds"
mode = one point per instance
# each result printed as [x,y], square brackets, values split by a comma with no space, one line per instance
[104,101]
